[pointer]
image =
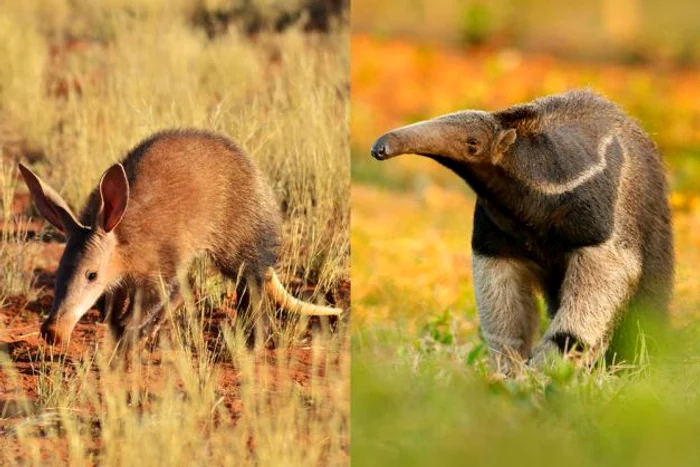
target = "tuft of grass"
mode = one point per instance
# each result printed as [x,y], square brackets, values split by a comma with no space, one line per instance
[25,54]
[177,410]
[17,255]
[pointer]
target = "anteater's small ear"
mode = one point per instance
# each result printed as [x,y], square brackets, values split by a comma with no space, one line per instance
[49,203]
[114,197]
[505,139]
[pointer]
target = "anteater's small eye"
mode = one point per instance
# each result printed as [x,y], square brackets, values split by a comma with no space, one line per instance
[91,276]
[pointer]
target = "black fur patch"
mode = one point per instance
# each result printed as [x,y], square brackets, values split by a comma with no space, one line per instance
[490,239]
[542,224]
[584,216]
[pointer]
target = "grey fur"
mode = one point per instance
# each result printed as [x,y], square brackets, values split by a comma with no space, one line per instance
[571,197]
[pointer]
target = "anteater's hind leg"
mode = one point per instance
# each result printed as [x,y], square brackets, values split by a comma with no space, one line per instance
[597,286]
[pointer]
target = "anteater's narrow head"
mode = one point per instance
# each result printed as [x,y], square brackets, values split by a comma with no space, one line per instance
[89,263]
[468,137]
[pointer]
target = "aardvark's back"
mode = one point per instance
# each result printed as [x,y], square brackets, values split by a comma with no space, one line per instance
[191,192]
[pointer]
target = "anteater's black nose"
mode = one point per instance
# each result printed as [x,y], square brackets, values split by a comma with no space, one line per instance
[379,149]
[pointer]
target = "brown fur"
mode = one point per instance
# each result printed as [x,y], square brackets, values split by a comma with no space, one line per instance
[182,194]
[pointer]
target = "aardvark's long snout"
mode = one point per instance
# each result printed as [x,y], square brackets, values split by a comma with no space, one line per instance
[52,332]
[57,330]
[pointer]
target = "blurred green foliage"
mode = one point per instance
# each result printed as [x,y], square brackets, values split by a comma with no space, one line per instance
[412,407]
[477,23]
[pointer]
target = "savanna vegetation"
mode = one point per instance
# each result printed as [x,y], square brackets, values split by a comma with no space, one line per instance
[423,392]
[80,84]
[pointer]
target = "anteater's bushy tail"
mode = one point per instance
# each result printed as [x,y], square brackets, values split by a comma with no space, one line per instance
[276,291]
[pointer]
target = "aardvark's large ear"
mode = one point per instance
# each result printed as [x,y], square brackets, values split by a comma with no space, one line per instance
[114,198]
[49,203]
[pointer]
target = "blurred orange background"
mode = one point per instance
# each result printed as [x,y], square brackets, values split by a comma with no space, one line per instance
[413,60]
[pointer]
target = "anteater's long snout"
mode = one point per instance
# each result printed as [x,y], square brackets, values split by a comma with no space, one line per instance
[423,138]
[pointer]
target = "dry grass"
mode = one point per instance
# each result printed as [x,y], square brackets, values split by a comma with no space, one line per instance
[184,409]
[17,255]
[84,82]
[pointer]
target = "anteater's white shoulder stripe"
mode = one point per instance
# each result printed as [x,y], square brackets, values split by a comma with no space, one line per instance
[548,188]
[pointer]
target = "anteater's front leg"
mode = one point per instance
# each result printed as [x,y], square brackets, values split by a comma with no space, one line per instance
[598,283]
[505,298]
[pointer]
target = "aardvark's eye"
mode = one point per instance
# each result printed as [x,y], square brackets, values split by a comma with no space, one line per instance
[91,276]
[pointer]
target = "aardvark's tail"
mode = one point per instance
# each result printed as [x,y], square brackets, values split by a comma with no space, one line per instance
[276,291]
